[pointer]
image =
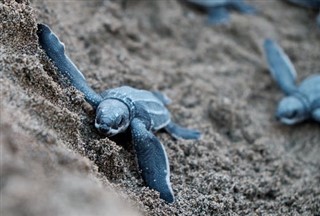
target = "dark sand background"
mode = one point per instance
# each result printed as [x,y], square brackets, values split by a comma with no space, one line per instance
[53,161]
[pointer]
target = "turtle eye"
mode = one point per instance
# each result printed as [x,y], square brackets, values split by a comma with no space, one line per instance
[120,121]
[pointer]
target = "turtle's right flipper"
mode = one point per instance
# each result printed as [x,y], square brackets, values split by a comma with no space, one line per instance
[280,66]
[179,132]
[54,48]
[218,15]
[152,159]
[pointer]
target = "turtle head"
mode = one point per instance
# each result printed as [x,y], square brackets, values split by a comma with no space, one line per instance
[291,110]
[112,117]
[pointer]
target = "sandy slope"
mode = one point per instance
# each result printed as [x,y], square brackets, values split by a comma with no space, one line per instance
[53,161]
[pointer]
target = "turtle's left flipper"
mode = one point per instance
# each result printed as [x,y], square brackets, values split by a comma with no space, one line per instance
[152,159]
[243,7]
[55,50]
[179,132]
[318,20]
[280,66]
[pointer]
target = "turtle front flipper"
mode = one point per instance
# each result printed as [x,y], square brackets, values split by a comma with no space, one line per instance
[318,20]
[281,68]
[179,132]
[218,15]
[55,50]
[152,160]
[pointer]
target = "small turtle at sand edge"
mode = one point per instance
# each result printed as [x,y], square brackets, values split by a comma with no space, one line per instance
[301,102]
[217,10]
[123,108]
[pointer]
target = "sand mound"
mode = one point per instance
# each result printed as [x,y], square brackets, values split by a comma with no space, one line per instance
[53,161]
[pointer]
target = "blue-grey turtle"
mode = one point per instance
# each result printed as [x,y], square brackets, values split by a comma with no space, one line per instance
[311,4]
[301,102]
[122,108]
[217,10]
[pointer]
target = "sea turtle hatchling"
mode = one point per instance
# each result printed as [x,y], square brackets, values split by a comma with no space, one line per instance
[122,108]
[217,10]
[301,102]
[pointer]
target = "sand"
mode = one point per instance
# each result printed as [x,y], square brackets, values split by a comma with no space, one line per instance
[54,162]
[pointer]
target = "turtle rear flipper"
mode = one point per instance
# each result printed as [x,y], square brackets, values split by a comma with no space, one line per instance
[179,132]
[281,68]
[162,97]
[152,159]
[55,50]
[218,15]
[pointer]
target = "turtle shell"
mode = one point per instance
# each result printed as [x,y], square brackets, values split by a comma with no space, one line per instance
[159,114]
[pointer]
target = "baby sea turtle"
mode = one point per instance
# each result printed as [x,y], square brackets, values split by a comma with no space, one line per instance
[123,108]
[311,4]
[301,102]
[218,9]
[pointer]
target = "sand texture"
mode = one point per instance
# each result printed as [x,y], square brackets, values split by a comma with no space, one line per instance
[53,160]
